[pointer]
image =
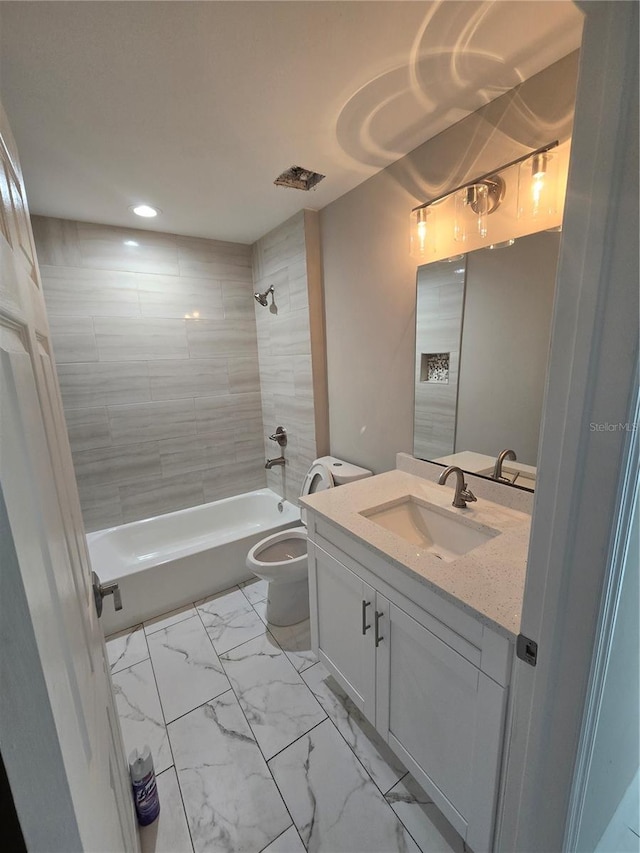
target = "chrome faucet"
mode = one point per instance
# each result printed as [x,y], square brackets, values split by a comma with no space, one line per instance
[497,468]
[279,460]
[462,493]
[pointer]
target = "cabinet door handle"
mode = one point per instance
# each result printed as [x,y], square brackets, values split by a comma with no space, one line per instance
[365,626]
[379,637]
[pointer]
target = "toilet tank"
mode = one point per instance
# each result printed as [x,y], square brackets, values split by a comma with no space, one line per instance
[344,472]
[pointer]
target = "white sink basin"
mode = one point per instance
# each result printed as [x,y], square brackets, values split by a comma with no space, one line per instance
[430,527]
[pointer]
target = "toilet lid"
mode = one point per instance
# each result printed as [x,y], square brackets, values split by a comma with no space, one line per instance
[318,479]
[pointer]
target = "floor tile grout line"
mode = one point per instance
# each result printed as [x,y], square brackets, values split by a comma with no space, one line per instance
[240,703]
[264,758]
[304,734]
[166,729]
[112,637]
[384,793]
[293,826]
[184,809]
[387,803]
[177,622]
[230,689]
[397,782]
[162,711]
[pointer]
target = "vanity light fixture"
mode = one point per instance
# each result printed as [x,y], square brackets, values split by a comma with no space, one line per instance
[145,210]
[475,200]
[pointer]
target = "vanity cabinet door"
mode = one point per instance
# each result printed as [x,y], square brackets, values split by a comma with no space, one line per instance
[444,718]
[342,620]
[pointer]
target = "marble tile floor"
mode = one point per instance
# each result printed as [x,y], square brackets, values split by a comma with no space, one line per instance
[256,748]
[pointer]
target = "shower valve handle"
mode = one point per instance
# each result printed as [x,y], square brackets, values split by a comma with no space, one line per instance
[280,435]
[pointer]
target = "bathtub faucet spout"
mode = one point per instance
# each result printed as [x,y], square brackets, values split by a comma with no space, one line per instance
[280,460]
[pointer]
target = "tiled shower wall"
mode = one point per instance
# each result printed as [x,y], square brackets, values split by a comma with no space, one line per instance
[154,337]
[439,305]
[291,346]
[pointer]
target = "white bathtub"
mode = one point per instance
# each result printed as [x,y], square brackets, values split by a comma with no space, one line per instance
[164,562]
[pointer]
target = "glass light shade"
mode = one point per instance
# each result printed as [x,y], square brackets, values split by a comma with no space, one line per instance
[538,186]
[472,207]
[423,243]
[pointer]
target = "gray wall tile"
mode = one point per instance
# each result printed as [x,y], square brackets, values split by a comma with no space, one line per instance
[126,339]
[180,297]
[214,259]
[56,241]
[285,352]
[99,384]
[194,377]
[157,495]
[232,480]
[88,428]
[95,293]
[166,363]
[116,464]
[73,339]
[239,414]
[100,506]
[197,453]
[103,247]
[211,338]
[151,421]
[244,374]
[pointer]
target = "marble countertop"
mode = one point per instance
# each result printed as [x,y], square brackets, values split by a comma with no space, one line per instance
[487,582]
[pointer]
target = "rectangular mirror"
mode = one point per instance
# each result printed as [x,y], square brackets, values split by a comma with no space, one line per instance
[482,341]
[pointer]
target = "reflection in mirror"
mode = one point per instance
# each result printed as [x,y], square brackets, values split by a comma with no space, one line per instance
[482,339]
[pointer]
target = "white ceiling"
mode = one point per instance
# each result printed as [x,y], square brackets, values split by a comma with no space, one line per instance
[196,107]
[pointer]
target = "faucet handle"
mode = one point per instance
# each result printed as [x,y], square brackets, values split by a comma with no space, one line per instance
[467,494]
[280,435]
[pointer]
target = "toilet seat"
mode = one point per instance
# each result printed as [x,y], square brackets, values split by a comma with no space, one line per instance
[286,568]
[318,478]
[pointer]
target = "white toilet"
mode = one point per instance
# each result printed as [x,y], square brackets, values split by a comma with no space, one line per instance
[281,559]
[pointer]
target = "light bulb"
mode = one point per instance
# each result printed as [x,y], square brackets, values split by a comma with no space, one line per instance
[421,232]
[421,216]
[145,210]
[537,184]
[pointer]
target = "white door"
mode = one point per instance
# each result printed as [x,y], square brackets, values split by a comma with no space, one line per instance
[345,612]
[444,718]
[58,719]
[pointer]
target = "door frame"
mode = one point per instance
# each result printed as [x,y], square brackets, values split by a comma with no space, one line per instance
[582,469]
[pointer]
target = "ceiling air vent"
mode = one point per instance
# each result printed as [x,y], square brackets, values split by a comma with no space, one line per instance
[298,178]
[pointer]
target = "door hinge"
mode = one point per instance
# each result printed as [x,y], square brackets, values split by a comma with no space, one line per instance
[527,650]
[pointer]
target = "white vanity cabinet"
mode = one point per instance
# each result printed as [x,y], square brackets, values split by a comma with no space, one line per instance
[420,681]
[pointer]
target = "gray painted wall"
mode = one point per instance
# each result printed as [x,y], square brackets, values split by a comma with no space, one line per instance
[370,280]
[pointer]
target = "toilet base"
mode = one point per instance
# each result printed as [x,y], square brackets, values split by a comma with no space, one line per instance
[288,603]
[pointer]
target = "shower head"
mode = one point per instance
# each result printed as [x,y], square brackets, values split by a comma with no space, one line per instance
[262,297]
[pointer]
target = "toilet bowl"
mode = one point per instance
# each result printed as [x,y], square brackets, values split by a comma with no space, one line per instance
[281,559]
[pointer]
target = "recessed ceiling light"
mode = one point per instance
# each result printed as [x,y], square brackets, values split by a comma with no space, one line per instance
[145,210]
[131,243]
